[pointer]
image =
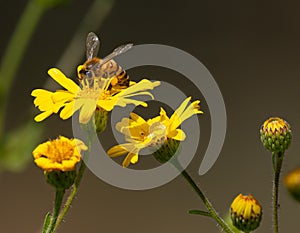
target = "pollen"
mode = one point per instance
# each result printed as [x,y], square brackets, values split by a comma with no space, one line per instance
[60,150]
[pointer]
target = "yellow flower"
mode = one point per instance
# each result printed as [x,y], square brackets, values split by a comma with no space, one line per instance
[154,132]
[292,183]
[61,154]
[91,95]
[246,213]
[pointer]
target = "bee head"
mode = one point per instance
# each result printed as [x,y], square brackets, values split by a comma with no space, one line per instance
[83,72]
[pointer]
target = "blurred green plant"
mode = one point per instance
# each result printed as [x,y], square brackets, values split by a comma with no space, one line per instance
[16,146]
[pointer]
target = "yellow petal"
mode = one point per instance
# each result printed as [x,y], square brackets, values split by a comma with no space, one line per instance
[128,159]
[163,115]
[123,97]
[121,149]
[137,118]
[177,134]
[107,104]
[116,151]
[43,99]
[87,110]
[49,102]
[134,159]
[191,110]
[62,96]
[65,82]
[68,110]
[181,108]
[184,112]
[80,144]
[42,116]
[142,85]
[40,92]
[125,122]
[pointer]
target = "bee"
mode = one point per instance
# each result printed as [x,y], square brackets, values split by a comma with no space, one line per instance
[95,67]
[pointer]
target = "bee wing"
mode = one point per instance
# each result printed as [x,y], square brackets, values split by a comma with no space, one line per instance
[117,51]
[92,45]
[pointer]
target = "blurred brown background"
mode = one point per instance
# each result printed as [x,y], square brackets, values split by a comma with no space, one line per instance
[252,50]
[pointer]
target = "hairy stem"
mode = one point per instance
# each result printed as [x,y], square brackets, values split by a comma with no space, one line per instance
[206,202]
[57,205]
[72,195]
[277,164]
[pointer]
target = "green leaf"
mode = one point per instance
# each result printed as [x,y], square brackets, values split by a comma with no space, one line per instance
[200,212]
[47,222]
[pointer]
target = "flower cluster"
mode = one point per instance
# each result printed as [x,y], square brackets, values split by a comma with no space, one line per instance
[95,96]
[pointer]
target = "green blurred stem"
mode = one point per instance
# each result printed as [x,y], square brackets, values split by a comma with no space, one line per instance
[206,202]
[57,205]
[15,50]
[277,164]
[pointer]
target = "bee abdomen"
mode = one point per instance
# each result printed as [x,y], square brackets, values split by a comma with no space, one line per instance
[123,78]
[120,81]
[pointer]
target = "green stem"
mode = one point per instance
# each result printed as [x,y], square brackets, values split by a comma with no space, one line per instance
[57,205]
[71,196]
[206,202]
[75,186]
[15,50]
[277,160]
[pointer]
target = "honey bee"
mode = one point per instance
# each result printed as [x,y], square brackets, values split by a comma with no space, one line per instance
[95,67]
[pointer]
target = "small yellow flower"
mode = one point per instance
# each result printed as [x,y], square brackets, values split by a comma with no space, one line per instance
[276,134]
[91,95]
[154,132]
[61,154]
[292,183]
[246,213]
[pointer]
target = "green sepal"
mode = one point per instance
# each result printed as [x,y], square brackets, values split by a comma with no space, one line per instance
[47,221]
[166,151]
[61,180]
[200,212]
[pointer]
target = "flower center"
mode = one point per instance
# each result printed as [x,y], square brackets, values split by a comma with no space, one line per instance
[60,150]
[91,88]
[157,134]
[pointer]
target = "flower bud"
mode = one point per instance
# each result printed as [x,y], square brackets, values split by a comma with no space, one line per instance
[276,134]
[246,213]
[292,183]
